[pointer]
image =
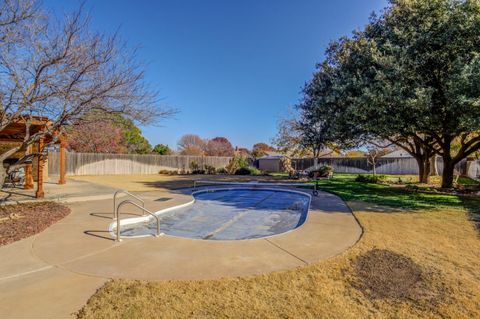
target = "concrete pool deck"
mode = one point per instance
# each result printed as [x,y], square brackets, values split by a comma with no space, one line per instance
[53,274]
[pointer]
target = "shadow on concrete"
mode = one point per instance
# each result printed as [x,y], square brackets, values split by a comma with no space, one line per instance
[110,215]
[102,215]
[16,194]
[99,234]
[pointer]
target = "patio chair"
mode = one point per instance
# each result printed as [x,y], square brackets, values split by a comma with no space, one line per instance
[17,176]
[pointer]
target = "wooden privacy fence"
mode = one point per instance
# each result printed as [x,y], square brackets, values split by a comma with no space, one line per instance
[127,164]
[399,165]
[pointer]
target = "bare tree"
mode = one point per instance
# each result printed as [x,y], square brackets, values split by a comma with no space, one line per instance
[16,19]
[62,70]
[288,139]
[219,146]
[191,144]
[374,153]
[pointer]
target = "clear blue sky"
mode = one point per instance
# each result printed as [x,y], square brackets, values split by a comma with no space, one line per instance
[232,68]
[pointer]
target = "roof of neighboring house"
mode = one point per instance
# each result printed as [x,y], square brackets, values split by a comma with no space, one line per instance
[270,157]
[397,153]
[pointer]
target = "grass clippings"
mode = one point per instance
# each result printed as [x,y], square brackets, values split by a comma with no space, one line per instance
[25,220]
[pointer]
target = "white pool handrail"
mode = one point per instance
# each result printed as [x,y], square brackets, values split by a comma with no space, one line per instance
[142,208]
[115,213]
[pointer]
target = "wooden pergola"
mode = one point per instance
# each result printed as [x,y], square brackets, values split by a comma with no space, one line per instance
[16,131]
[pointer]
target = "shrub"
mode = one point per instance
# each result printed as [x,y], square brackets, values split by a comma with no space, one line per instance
[222,171]
[194,166]
[198,171]
[235,163]
[371,179]
[255,171]
[168,172]
[209,169]
[322,171]
[243,171]
[248,171]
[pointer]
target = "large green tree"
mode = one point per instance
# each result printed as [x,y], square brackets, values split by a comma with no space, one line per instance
[375,108]
[321,122]
[135,142]
[411,77]
[434,47]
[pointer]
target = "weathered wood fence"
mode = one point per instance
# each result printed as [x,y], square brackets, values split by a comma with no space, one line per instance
[126,164]
[399,165]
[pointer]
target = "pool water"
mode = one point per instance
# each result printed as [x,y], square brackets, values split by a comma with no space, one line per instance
[230,214]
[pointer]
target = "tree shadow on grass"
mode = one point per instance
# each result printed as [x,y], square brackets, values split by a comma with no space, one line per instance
[472,205]
[385,195]
[380,197]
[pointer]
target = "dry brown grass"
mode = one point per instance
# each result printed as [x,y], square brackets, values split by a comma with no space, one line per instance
[145,183]
[443,244]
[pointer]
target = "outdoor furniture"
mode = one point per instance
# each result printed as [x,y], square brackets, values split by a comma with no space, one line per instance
[16,132]
[17,176]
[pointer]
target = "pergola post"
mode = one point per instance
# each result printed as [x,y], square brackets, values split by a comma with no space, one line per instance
[62,162]
[28,172]
[40,193]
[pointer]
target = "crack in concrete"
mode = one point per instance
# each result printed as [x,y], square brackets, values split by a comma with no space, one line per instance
[286,251]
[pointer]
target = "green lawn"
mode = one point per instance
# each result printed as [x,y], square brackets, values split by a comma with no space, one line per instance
[344,185]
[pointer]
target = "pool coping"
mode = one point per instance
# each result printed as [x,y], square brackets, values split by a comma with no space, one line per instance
[135,220]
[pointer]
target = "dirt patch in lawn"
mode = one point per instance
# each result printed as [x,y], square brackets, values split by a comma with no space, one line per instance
[384,274]
[24,220]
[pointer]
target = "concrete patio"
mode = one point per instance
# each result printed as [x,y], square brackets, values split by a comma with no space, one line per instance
[74,190]
[52,274]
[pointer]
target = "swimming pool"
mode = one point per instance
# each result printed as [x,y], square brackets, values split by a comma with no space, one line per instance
[228,214]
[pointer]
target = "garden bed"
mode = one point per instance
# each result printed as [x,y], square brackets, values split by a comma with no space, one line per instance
[25,220]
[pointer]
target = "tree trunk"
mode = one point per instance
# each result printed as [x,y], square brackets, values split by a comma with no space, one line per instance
[423,169]
[425,178]
[434,166]
[448,172]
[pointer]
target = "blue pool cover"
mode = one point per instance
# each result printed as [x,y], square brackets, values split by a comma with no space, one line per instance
[230,214]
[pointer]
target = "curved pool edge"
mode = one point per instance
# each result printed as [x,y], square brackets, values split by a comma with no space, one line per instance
[135,220]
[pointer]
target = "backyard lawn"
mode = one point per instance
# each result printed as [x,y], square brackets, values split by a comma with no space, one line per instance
[418,258]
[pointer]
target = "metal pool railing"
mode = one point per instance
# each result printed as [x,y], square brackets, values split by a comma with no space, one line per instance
[142,208]
[127,193]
